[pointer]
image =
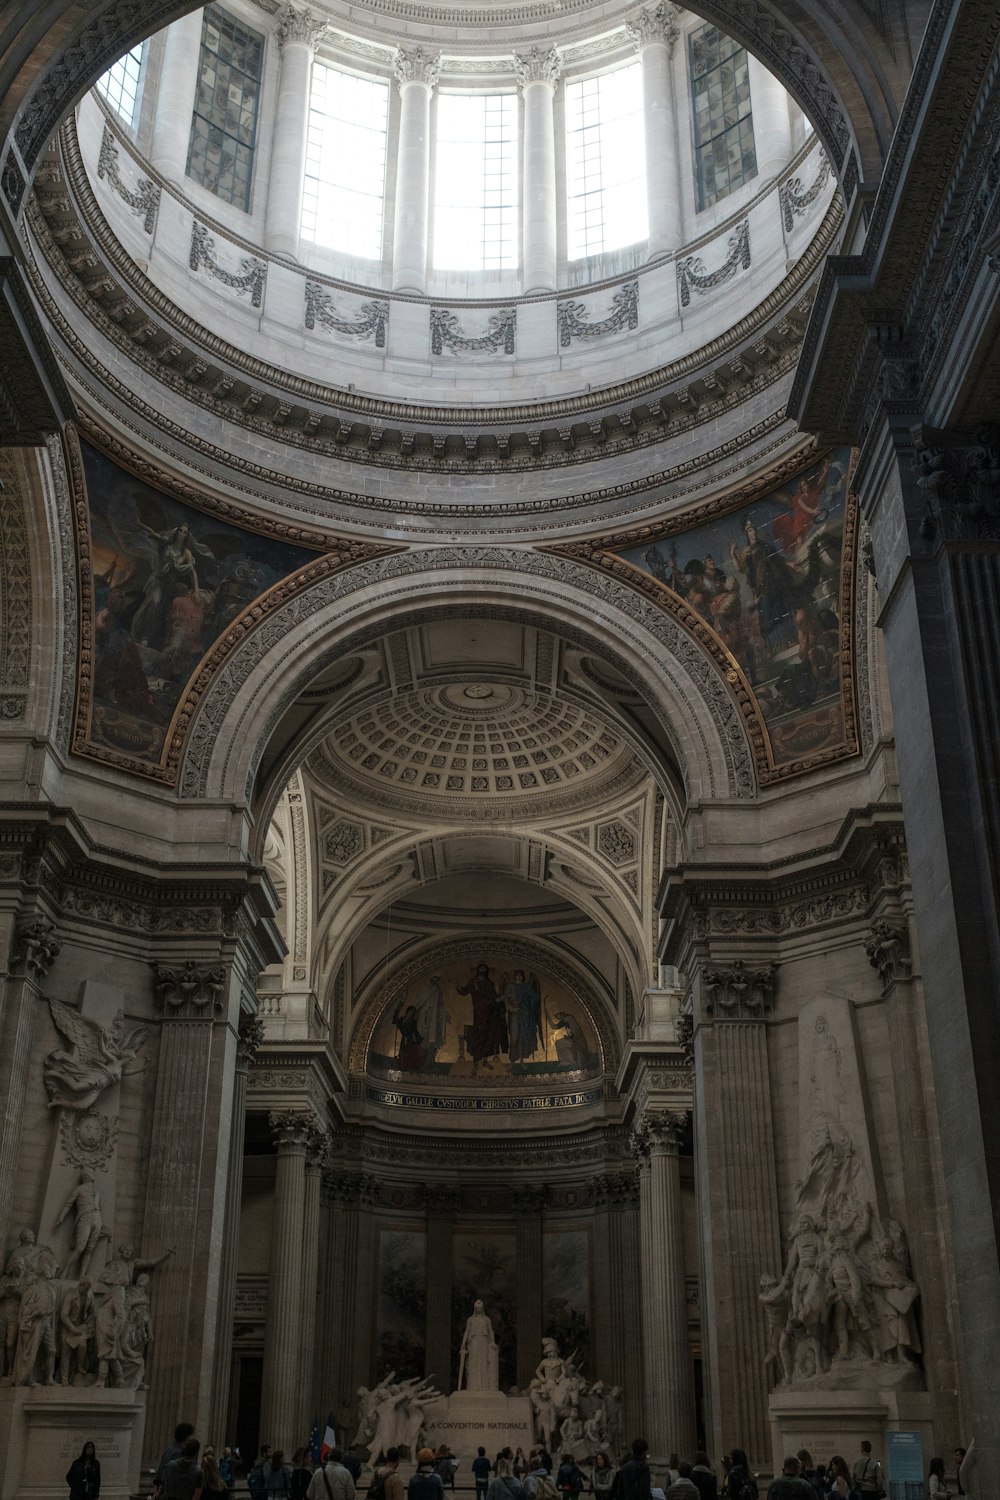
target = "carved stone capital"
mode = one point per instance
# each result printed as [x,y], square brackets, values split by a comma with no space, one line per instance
[317,1147]
[663,1131]
[250,1035]
[439,1197]
[656,23]
[684,1029]
[190,993]
[888,950]
[298,24]
[537,67]
[294,1131]
[529,1198]
[960,482]
[638,1144]
[343,1188]
[368,1190]
[623,1190]
[739,993]
[35,947]
[417,67]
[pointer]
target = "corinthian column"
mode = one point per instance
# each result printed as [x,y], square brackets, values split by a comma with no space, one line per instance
[655,32]
[298,32]
[175,96]
[280,1416]
[315,1157]
[529,1201]
[441,1205]
[537,74]
[667,1361]
[33,950]
[416,75]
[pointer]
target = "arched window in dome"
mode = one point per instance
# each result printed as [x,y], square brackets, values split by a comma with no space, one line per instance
[224,125]
[343,197]
[120,84]
[605,162]
[475,182]
[724,149]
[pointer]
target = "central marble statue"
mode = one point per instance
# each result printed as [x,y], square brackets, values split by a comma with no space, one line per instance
[478,1356]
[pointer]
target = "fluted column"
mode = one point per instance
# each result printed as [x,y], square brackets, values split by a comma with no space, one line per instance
[627,1333]
[315,1155]
[416,75]
[772,123]
[529,1203]
[441,1205]
[250,1035]
[362,1350]
[298,32]
[280,1416]
[655,31]
[670,1423]
[33,949]
[538,74]
[175,96]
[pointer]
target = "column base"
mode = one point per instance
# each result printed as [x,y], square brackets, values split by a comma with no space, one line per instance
[44,1427]
[828,1422]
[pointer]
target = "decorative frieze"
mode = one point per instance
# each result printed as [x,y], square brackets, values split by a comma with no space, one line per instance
[795,199]
[739,993]
[143,199]
[372,320]
[573,317]
[529,1198]
[439,1197]
[691,272]
[500,337]
[190,993]
[251,276]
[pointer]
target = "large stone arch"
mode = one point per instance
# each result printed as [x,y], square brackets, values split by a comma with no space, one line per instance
[266,674]
[845,66]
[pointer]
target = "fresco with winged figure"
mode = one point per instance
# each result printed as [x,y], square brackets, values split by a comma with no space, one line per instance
[484,1018]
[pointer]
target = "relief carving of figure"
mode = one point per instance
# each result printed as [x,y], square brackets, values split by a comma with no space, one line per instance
[136,1334]
[36,1335]
[77,1076]
[893,1295]
[88,1230]
[77,1328]
[120,1274]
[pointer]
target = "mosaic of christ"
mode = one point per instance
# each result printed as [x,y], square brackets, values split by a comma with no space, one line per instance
[485,1017]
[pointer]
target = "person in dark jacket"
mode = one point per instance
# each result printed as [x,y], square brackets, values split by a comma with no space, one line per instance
[703,1476]
[634,1478]
[84,1476]
[738,1476]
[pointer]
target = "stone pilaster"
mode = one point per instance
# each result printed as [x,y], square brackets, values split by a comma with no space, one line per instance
[619,1324]
[441,1205]
[280,1414]
[416,74]
[315,1157]
[33,950]
[250,1033]
[738,1196]
[336,1305]
[175,96]
[529,1203]
[669,1389]
[655,31]
[298,32]
[538,74]
[362,1352]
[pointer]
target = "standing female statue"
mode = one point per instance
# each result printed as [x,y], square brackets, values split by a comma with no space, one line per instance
[479,1358]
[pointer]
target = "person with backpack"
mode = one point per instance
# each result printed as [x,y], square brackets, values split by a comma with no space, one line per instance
[539,1484]
[841,1484]
[447,1465]
[301,1473]
[182,1432]
[570,1480]
[740,1483]
[506,1486]
[634,1480]
[387,1482]
[332,1481]
[277,1477]
[255,1478]
[426,1483]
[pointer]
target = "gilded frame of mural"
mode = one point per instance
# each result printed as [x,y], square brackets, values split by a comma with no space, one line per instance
[332,553]
[606,552]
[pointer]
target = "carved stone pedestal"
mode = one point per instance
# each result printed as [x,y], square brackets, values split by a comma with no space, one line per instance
[829,1422]
[44,1427]
[470,1419]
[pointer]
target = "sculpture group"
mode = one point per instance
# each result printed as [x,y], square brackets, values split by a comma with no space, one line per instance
[83,1332]
[393,1414]
[571,1414]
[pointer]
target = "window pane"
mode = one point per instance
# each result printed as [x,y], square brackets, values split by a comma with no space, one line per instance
[605,162]
[344,190]
[224,125]
[120,84]
[723,121]
[475,183]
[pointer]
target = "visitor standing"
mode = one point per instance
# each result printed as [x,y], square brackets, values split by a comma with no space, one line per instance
[352,1463]
[521,1464]
[481,1469]
[255,1478]
[227,1470]
[634,1479]
[539,1484]
[740,1483]
[570,1480]
[387,1483]
[426,1483]
[277,1477]
[182,1432]
[301,1474]
[506,1485]
[867,1476]
[182,1478]
[789,1484]
[602,1476]
[841,1483]
[959,1461]
[84,1476]
[936,1487]
[683,1487]
[703,1477]
[212,1483]
[332,1481]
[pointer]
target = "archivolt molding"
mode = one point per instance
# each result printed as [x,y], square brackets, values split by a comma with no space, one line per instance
[264,674]
[533,953]
[15,593]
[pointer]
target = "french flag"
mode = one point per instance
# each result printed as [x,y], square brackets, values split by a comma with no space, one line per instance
[329,1439]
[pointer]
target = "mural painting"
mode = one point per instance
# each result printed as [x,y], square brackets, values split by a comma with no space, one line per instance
[566,1291]
[402,1302]
[167,581]
[486,1018]
[485,1266]
[768,579]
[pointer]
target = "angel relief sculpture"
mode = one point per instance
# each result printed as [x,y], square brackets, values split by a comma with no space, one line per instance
[96,1058]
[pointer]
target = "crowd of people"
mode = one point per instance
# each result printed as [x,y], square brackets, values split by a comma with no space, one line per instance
[189,1471]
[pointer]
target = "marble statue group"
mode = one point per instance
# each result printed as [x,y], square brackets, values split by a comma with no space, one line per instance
[393,1414]
[571,1414]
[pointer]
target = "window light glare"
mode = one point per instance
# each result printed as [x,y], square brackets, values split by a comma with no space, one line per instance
[344,189]
[605,162]
[120,84]
[475,178]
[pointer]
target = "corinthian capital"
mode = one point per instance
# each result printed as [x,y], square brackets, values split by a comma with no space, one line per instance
[294,1131]
[537,67]
[739,993]
[417,67]
[663,1132]
[190,992]
[297,24]
[656,23]
[36,947]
